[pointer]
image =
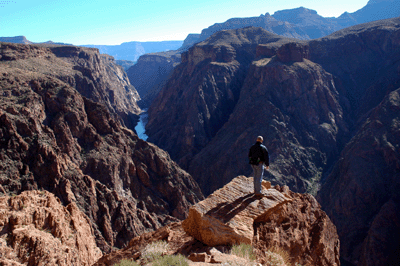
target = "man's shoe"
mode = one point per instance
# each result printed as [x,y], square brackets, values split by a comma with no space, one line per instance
[258,195]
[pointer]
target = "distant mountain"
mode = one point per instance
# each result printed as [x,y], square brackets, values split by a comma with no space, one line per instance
[24,40]
[16,39]
[133,50]
[303,23]
[129,51]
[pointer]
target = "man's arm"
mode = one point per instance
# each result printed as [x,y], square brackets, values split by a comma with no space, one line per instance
[266,157]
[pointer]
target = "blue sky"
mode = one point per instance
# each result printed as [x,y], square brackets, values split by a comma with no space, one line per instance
[114,22]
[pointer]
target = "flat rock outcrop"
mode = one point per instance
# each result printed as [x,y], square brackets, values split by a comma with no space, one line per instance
[227,216]
[36,229]
[281,220]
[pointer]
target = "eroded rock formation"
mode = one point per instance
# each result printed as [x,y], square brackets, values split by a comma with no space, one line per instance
[203,91]
[37,230]
[53,138]
[362,194]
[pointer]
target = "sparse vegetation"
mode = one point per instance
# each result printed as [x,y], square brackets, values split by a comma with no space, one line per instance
[154,251]
[277,257]
[244,251]
[126,263]
[176,260]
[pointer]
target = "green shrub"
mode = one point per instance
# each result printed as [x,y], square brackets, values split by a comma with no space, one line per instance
[169,260]
[244,251]
[126,263]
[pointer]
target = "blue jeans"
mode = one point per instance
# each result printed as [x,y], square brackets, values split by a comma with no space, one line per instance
[258,175]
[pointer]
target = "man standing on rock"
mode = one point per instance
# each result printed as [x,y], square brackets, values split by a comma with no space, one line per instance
[259,159]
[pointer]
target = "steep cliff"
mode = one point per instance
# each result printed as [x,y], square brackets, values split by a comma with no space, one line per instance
[362,194]
[53,138]
[150,74]
[294,104]
[202,91]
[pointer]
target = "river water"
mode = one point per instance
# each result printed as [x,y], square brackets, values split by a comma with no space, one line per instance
[140,127]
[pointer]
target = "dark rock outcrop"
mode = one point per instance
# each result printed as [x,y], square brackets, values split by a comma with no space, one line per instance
[362,194]
[150,74]
[53,138]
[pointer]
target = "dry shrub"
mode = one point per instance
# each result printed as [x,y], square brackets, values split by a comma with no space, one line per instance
[244,251]
[276,257]
[154,251]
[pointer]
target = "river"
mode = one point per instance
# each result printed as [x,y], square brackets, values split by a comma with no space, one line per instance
[140,127]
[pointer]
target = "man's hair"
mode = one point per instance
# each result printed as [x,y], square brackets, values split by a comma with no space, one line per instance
[260,139]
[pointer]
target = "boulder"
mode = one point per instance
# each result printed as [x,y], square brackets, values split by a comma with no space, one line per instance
[226,217]
[280,220]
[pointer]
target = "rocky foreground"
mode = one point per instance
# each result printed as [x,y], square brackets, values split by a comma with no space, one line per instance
[281,220]
[36,229]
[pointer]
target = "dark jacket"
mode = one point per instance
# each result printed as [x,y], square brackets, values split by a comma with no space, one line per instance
[258,153]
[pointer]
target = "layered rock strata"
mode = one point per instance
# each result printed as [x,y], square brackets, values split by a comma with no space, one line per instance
[37,230]
[95,76]
[53,138]
[203,91]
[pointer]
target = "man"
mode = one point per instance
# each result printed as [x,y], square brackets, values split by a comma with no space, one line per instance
[259,159]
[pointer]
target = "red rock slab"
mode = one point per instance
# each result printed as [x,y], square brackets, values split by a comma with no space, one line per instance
[226,217]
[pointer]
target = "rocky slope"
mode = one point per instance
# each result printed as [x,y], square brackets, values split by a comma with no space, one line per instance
[281,220]
[150,74]
[37,230]
[362,193]
[53,138]
[95,76]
